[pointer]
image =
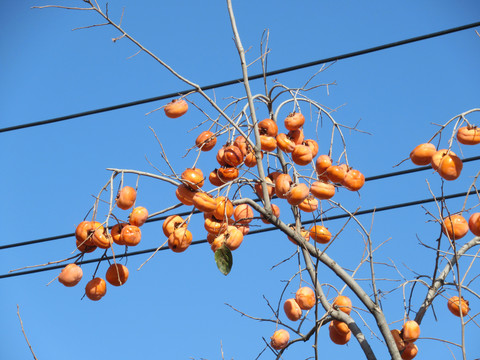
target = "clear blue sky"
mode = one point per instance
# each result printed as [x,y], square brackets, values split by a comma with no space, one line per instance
[174,308]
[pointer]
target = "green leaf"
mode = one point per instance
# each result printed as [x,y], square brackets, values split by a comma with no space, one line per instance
[224,260]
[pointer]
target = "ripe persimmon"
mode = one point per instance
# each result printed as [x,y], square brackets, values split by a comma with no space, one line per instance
[171,223]
[176,108]
[302,155]
[126,197]
[336,173]
[322,163]
[268,127]
[206,141]
[131,235]
[70,275]
[193,178]
[241,143]
[322,190]
[292,309]
[232,238]
[468,135]
[447,164]
[285,143]
[102,239]
[214,226]
[84,232]
[297,193]
[309,204]
[275,211]
[410,331]
[410,351]
[250,159]
[303,233]
[455,226]
[117,274]
[215,179]
[337,338]
[455,304]
[270,187]
[185,194]
[340,327]
[179,240]
[232,155]
[243,214]
[204,202]
[353,180]
[280,339]
[343,303]
[138,216]
[397,336]
[474,223]
[282,185]
[320,234]
[422,154]
[96,289]
[312,145]
[224,208]
[116,232]
[268,143]
[296,136]
[294,121]
[83,247]
[305,298]
[226,174]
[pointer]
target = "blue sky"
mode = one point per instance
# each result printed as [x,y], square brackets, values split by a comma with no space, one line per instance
[174,307]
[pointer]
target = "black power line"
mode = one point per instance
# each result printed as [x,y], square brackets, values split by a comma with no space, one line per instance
[342,216]
[160,218]
[240,80]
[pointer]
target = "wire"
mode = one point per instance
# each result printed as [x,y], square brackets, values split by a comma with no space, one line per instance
[240,80]
[342,216]
[371,178]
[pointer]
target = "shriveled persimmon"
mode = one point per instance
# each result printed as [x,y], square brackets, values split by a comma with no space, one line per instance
[268,127]
[126,197]
[292,309]
[303,233]
[179,240]
[204,202]
[224,208]
[96,289]
[232,155]
[312,145]
[171,223]
[285,143]
[455,226]
[131,235]
[302,155]
[116,232]
[232,238]
[185,194]
[270,187]
[214,178]
[102,238]
[176,108]
[70,275]
[280,339]
[226,174]
[117,274]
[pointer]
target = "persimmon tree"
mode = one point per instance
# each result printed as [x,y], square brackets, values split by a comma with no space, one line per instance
[271,172]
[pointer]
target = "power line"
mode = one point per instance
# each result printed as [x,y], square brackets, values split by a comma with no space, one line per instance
[240,80]
[335,217]
[160,218]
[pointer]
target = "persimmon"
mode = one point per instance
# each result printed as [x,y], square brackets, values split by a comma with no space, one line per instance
[83,247]
[309,204]
[171,223]
[340,327]
[232,155]
[126,197]
[226,174]
[322,190]
[305,298]
[193,178]
[353,180]
[250,159]
[102,239]
[232,238]
[268,127]
[338,338]
[320,234]
[185,194]
[215,179]
[117,274]
[223,209]
[285,143]
[206,141]
[474,223]
[397,336]
[214,226]
[282,185]
[70,275]
[468,135]
[138,216]
[204,202]
[297,193]
[410,351]
[131,235]
[336,173]
[116,231]
[268,143]
[84,232]
[243,214]
[176,108]
[179,240]
[303,233]
[242,144]
[296,136]
[410,331]
[245,229]
[96,289]
[294,121]
[343,303]
[302,155]
[422,154]
[220,156]
[292,309]
[270,187]
[280,339]
[455,304]
[312,145]
[447,164]
[455,226]
[322,163]
[275,211]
